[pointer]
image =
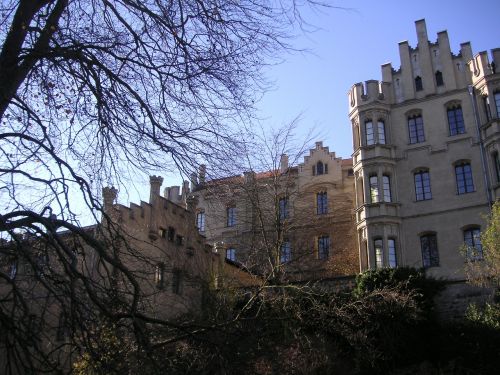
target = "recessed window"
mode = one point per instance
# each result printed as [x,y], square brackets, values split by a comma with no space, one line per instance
[386,182]
[285,252]
[456,120]
[418,84]
[13,269]
[486,106]
[200,221]
[322,203]
[177,282]
[422,186]
[463,174]
[370,137]
[381,132]
[472,239]
[323,247]
[319,168]
[179,240]
[374,197]
[496,164]
[379,253]
[430,255]
[416,129]
[231,254]
[497,103]
[283,208]
[393,259]
[160,275]
[231,216]
[439,78]
[171,234]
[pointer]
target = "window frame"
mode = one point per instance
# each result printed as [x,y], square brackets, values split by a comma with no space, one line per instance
[464,178]
[374,189]
[439,78]
[416,133]
[496,98]
[285,252]
[419,84]
[423,190]
[321,203]
[430,254]
[200,220]
[231,216]
[231,254]
[283,208]
[472,241]
[392,252]
[381,138]
[386,188]
[323,247]
[456,124]
[378,248]
[369,133]
[496,164]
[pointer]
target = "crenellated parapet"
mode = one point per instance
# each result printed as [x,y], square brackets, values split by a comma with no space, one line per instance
[371,91]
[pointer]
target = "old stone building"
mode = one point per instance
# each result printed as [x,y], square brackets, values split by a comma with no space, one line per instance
[295,221]
[426,145]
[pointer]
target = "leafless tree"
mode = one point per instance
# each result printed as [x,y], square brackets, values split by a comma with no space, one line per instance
[93,92]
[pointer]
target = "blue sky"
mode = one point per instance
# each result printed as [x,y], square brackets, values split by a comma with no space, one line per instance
[350,47]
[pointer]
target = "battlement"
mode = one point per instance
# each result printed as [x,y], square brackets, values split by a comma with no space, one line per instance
[370,91]
[481,66]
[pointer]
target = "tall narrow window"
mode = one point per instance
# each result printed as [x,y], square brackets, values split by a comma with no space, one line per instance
[430,255]
[456,120]
[231,254]
[386,182]
[422,186]
[463,174]
[283,208]
[171,234]
[160,275]
[496,164]
[231,216]
[497,103]
[323,247]
[200,221]
[321,203]
[13,269]
[177,282]
[381,132]
[472,239]
[487,110]
[418,84]
[379,253]
[374,189]
[319,168]
[285,252]
[439,78]
[416,129]
[370,139]
[393,259]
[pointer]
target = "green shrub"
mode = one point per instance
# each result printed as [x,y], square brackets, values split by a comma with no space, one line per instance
[489,316]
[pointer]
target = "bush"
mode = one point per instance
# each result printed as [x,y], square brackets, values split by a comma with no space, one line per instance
[404,279]
[489,316]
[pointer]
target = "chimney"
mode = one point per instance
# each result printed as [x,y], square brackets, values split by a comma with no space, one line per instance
[249,177]
[194,181]
[109,195]
[155,183]
[202,174]
[283,163]
[185,189]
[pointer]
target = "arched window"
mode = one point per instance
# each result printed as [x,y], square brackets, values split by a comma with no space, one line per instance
[418,84]
[463,174]
[439,78]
